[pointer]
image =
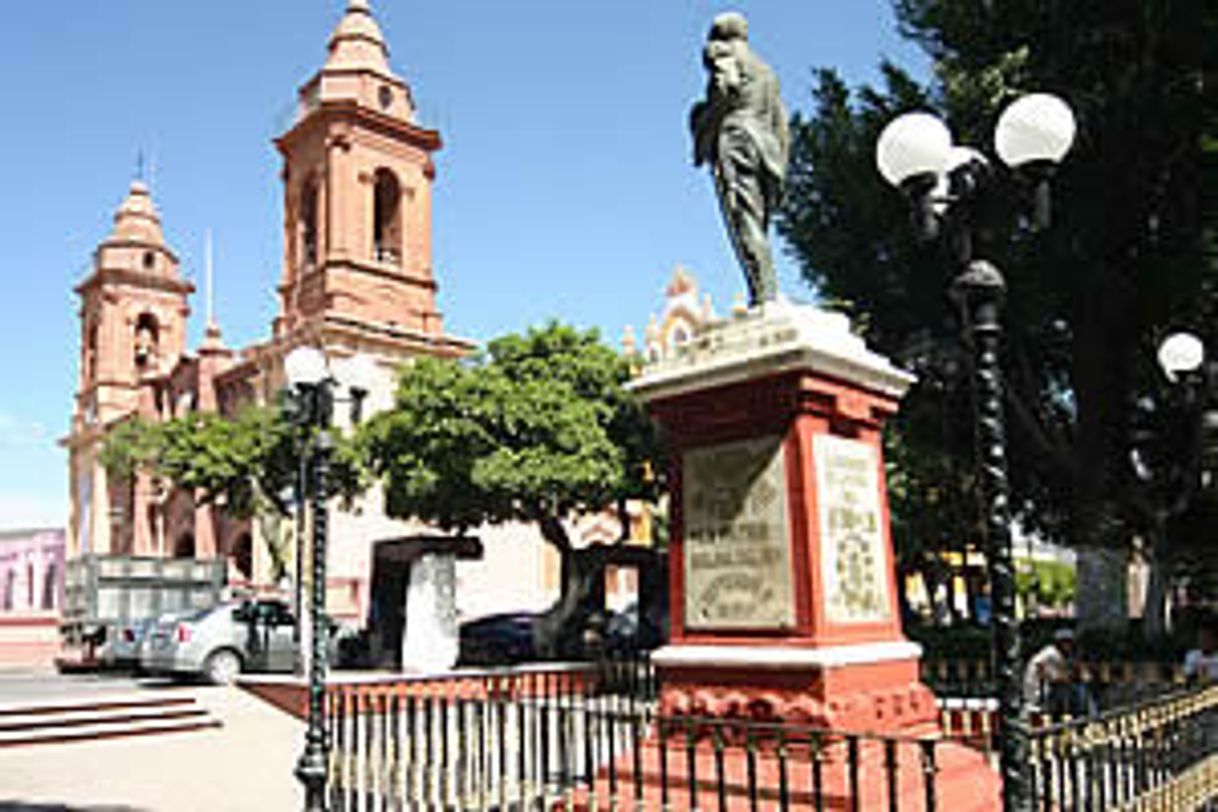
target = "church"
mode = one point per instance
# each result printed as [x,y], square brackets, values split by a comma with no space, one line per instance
[356,282]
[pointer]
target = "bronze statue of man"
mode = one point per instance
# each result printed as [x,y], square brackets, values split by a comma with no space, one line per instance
[740,130]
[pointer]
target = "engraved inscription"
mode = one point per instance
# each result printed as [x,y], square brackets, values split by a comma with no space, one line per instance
[854,566]
[737,558]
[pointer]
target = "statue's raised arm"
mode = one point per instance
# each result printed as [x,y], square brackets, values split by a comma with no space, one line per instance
[740,130]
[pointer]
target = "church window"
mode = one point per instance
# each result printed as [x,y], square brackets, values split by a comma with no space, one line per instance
[243,556]
[308,222]
[147,336]
[91,352]
[185,546]
[50,587]
[387,218]
[149,260]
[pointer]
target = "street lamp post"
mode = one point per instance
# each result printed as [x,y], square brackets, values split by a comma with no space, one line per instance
[312,389]
[309,378]
[1173,451]
[948,187]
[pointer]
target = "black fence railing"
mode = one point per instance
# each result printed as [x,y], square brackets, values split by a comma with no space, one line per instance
[1157,754]
[602,750]
[1105,684]
[593,737]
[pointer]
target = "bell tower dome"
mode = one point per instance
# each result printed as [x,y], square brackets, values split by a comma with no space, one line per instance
[357,174]
[133,312]
[133,316]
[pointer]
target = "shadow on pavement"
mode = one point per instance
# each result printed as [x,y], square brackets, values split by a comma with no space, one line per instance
[22,806]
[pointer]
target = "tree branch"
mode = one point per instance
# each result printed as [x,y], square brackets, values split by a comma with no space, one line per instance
[552,530]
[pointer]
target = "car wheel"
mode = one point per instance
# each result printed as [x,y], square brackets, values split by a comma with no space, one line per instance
[222,667]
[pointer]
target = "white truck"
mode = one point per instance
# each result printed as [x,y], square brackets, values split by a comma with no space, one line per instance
[108,598]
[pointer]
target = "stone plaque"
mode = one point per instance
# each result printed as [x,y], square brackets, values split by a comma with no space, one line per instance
[854,563]
[737,555]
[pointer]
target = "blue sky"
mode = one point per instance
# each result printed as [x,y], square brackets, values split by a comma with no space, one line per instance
[564,189]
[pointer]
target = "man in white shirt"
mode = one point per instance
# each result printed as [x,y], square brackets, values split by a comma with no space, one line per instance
[1046,680]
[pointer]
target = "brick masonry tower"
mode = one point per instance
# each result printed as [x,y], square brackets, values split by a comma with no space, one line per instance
[357,275]
[357,172]
[133,330]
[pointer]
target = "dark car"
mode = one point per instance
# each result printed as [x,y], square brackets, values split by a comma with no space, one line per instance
[498,639]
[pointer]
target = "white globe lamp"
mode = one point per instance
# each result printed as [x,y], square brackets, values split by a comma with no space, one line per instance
[1180,353]
[1037,128]
[305,366]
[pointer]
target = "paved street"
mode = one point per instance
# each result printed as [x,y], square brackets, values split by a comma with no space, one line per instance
[244,765]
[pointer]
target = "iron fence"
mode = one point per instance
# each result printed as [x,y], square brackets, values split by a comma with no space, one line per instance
[1111,684]
[1156,754]
[593,737]
[578,751]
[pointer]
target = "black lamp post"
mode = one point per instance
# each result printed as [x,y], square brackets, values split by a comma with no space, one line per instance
[949,188]
[1174,449]
[312,397]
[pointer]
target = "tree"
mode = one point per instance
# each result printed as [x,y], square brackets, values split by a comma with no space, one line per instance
[245,463]
[1125,260]
[537,429]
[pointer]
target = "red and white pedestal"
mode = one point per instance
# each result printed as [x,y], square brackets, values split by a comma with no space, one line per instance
[784,599]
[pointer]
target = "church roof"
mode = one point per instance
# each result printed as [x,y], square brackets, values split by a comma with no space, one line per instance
[137,219]
[357,42]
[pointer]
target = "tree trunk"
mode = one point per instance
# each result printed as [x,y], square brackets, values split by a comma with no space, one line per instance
[559,630]
[1104,352]
[1154,613]
[1103,589]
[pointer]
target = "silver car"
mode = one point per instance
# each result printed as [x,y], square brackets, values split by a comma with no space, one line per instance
[221,642]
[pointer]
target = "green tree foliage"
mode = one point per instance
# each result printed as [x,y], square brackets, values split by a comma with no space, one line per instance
[1124,261]
[244,463]
[1052,583]
[537,429]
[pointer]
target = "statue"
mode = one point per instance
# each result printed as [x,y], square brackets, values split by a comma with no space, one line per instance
[740,130]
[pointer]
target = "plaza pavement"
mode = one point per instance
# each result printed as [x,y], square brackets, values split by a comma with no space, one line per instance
[244,765]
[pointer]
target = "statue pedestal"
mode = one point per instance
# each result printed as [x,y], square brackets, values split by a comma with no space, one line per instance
[784,599]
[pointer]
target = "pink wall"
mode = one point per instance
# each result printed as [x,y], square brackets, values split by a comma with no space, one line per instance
[31,570]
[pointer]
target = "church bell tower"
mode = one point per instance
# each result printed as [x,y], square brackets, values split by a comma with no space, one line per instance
[133,330]
[357,174]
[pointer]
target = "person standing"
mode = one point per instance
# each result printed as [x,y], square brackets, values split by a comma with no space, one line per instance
[1201,663]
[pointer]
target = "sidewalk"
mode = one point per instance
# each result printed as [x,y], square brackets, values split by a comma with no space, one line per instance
[244,765]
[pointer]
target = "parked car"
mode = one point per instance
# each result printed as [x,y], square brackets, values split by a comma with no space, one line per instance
[221,642]
[498,640]
[125,643]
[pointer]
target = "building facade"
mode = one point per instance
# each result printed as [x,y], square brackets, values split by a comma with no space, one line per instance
[31,570]
[356,279]
[31,593]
